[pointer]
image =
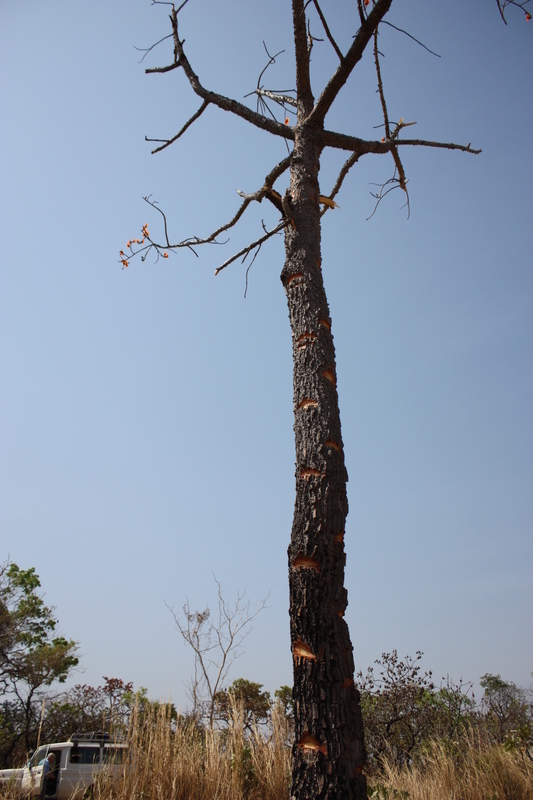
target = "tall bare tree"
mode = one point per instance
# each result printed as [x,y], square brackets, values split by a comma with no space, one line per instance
[329,752]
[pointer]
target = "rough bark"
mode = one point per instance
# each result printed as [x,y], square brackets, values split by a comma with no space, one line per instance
[329,752]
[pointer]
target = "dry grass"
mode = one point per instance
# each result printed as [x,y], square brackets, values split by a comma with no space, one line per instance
[186,764]
[473,771]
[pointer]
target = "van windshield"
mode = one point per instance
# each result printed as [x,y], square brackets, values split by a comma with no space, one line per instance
[38,757]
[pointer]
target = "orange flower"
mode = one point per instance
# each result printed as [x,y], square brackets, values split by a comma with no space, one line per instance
[121,253]
[124,262]
[382,138]
[165,255]
[286,120]
[528,16]
[367,2]
[128,244]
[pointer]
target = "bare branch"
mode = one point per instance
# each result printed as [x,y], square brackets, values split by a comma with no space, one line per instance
[225,103]
[392,183]
[402,181]
[401,30]
[502,5]
[445,145]
[154,205]
[281,99]
[380,86]
[194,241]
[327,30]
[272,60]
[246,250]
[168,68]
[342,141]
[146,50]
[182,131]
[348,164]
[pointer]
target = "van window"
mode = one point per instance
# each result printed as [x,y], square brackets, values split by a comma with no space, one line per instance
[114,755]
[84,755]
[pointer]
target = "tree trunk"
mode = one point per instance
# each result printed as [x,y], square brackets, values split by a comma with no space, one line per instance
[329,752]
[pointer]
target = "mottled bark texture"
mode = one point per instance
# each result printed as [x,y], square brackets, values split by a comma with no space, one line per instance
[329,743]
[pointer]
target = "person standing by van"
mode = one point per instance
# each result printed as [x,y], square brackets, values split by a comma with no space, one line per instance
[48,769]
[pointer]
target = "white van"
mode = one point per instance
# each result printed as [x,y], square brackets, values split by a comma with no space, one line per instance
[77,764]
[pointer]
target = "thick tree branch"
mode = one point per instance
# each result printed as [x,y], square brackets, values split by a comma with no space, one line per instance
[445,145]
[219,100]
[327,30]
[341,141]
[353,56]
[281,99]
[168,68]
[303,78]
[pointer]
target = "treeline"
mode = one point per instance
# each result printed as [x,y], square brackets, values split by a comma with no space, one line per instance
[405,712]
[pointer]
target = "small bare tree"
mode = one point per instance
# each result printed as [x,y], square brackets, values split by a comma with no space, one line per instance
[216,644]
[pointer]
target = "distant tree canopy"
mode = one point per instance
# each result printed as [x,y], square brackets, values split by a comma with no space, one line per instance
[32,658]
[245,698]
[404,710]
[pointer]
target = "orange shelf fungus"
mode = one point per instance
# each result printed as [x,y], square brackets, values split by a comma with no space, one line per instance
[309,472]
[302,650]
[308,742]
[306,403]
[333,445]
[296,276]
[329,376]
[305,338]
[306,562]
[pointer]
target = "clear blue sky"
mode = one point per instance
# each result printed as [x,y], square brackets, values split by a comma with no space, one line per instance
[146,429]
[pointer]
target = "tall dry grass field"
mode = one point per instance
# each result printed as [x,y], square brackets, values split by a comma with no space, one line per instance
[188,764]
[472,769]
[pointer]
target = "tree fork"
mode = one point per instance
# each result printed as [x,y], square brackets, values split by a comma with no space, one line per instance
[329,752]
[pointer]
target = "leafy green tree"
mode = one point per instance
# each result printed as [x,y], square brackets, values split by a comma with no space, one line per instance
[32,658]
[283,696]
[245,695]
[81,708]
[508,710]
[403,710]
[396,706]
